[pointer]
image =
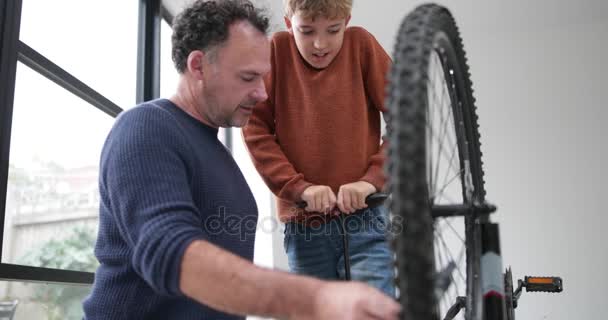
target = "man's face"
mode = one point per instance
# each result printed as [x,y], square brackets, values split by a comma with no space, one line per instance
[318,39]
[233,77]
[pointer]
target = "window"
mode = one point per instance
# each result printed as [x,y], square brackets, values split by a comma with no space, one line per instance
[66,67]
[52,186]
[168,74]
[95,41]
[35,301]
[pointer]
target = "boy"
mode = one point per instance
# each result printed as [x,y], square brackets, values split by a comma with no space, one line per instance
[317,139]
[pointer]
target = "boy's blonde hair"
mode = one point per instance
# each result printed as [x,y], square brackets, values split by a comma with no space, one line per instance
[330,9]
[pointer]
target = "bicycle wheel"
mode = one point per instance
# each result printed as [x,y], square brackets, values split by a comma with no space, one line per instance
[434,168]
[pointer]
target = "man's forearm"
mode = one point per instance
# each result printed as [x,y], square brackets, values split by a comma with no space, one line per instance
[224,281]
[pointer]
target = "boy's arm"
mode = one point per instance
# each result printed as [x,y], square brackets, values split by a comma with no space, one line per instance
[272,164]
[375,65]
[266,154]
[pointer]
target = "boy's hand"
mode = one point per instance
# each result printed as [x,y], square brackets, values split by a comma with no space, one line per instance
[319,199]
[351,196]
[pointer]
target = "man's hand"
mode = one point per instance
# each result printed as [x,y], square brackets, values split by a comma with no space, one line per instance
[319,199]
[351,196]
[350,301]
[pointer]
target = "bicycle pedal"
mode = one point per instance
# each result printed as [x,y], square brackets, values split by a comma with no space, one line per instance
[543,284]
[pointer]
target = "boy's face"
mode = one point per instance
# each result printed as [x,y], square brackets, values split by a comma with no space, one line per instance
[319,40]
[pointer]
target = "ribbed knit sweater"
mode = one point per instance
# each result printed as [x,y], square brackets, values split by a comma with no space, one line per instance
[319,127]
[165,180]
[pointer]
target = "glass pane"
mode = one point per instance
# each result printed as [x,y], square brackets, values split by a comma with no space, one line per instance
[52,197]
[96,41]
[39,301]
[168,74]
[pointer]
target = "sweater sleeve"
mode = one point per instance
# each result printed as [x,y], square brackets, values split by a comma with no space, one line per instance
[375,63]
[266,154]
[145,176]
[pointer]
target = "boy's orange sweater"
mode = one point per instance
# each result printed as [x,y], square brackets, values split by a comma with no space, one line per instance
[319,127]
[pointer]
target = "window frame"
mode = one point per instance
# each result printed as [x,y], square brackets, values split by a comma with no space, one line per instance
[13,50]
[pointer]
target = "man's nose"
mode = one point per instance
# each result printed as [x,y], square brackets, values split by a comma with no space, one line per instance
[260,94]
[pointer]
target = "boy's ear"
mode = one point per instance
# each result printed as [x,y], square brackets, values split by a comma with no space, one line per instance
[347,20]
[287,23]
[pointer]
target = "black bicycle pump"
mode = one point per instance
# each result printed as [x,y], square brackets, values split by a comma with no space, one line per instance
[372,201]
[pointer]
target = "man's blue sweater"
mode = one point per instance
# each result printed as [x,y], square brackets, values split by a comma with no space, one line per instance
[165,180]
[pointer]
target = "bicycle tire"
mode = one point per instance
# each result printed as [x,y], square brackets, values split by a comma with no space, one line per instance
[429,29]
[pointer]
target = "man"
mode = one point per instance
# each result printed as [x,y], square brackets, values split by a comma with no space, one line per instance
[174,204]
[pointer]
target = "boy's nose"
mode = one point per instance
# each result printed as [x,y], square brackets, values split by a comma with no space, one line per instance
[319,43]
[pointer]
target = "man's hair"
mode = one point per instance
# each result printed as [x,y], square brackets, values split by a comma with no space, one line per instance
[330,9]
[204,26]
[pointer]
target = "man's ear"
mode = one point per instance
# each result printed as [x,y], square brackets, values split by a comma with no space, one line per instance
[347,20]
[287,23]
[194,64]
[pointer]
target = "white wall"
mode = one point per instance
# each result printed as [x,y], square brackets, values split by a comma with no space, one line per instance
[539,78]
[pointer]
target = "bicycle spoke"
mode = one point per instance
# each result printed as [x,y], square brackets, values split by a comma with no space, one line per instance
[447,172]
[442,132]
[446,125]
[450,157]
[455,232]
[447,249]
[440,193]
